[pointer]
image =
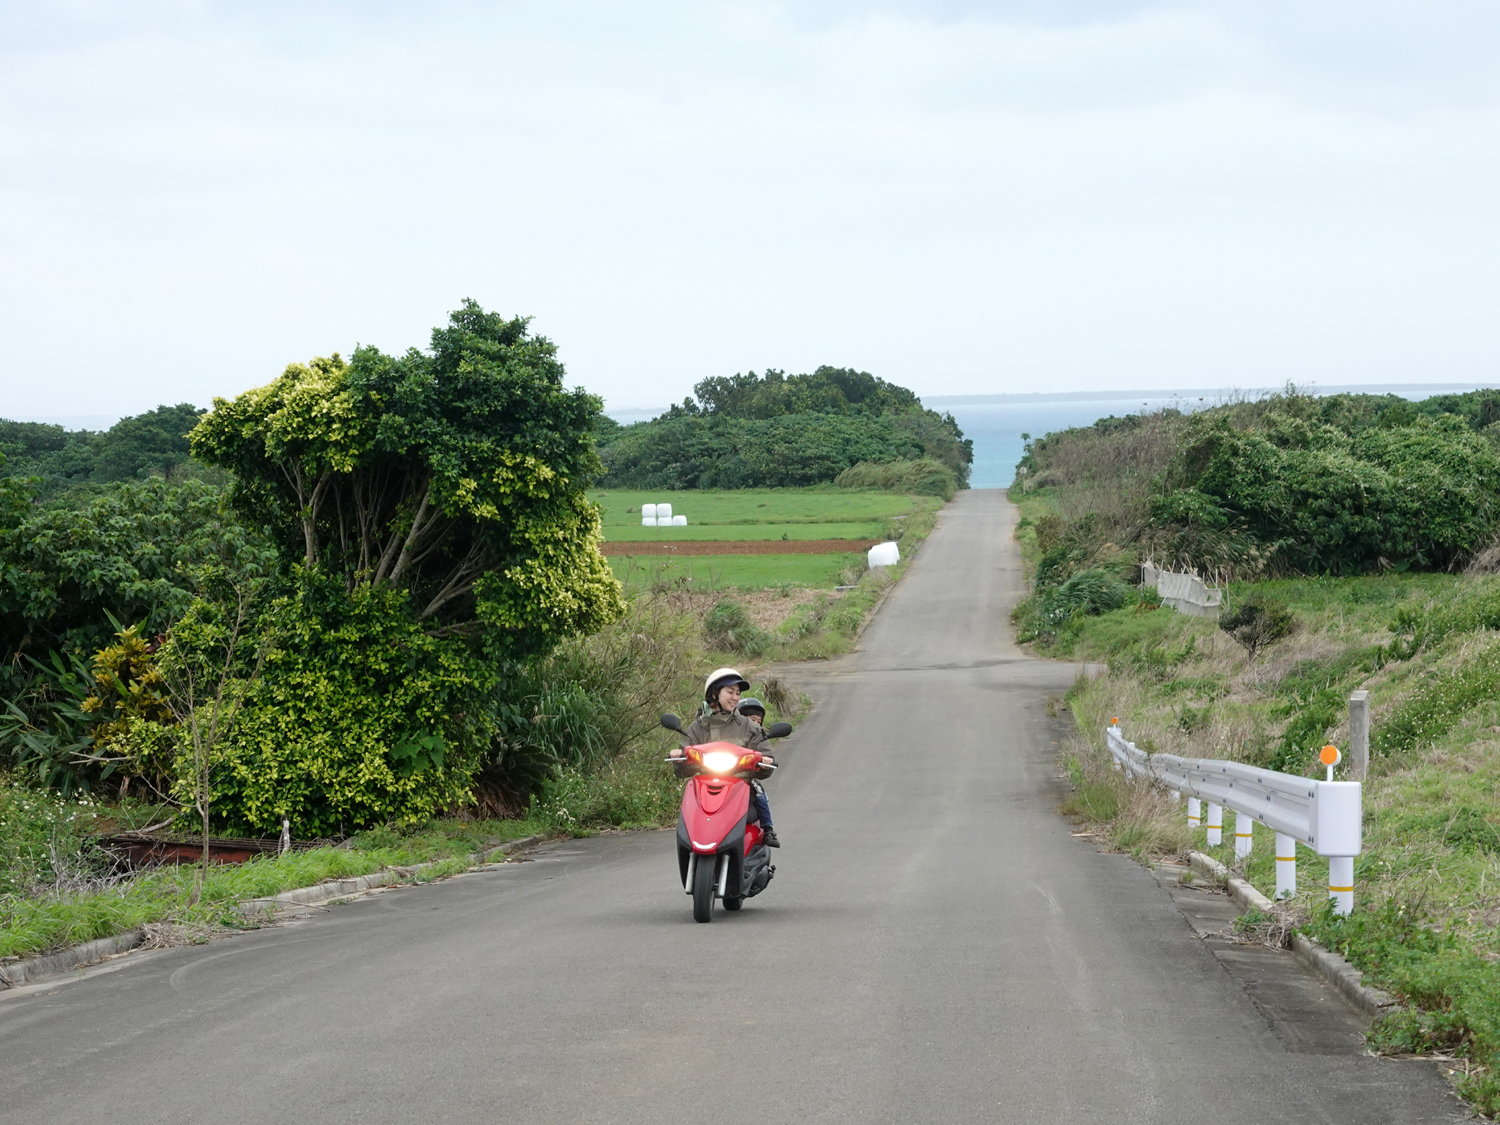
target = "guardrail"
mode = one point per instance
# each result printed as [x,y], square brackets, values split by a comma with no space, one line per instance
[1326,816]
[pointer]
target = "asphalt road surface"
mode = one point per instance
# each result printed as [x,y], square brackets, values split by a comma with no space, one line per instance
[936,947]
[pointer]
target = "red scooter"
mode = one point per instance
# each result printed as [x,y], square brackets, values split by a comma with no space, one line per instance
[720,853]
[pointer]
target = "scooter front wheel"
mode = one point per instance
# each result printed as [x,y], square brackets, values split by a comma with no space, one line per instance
[705,871]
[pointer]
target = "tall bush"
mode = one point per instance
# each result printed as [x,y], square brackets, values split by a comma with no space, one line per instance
[359,716]
[431,518]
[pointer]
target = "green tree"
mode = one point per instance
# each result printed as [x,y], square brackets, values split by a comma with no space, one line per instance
[457,476]
[431,516]
[150,444]
[828,390]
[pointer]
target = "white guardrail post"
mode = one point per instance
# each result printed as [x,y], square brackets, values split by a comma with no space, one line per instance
[1244,834]
[1324,815]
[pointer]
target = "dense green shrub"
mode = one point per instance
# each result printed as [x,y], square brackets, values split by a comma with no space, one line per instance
[434,535]
[1346,484]
[358,716]
[130,550]
[922,477]
[1058,605]
[458,476]
[1330,501]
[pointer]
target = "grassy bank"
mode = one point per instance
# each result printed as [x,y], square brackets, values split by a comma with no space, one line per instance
[85,902]
[1427,648]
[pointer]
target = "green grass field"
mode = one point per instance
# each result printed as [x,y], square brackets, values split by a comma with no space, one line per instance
[741,572]
[826,513]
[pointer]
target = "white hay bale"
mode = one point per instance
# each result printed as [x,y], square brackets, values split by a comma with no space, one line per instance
[679,521]
[884,554]
[648,512]
[664,510]
[648,521]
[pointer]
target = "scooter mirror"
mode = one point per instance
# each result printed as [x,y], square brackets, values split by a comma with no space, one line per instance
[672,722]
[778,730]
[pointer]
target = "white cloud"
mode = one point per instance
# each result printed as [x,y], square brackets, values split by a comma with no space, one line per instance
[960,197]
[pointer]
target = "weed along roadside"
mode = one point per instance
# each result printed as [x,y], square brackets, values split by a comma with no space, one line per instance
[1322,639]
[226,915]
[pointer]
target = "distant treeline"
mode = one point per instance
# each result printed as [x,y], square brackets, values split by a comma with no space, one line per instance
[778,430]
[145,445]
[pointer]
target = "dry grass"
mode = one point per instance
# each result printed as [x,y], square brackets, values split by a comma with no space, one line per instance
[168,935]
[1108,474]
[1125,816]
[1276,926]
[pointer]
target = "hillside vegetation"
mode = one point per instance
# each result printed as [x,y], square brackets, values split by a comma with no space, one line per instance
[1354,537]
[153,444]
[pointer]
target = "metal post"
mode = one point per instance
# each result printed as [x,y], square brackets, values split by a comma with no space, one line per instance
[1215,824]
[1195,812]
[1244,828]
[1341,883]
[1359,736]
[1286,866]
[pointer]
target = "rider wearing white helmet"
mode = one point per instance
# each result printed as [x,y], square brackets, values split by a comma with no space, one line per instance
[724,723]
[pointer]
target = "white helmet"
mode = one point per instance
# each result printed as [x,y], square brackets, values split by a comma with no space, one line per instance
[719,680]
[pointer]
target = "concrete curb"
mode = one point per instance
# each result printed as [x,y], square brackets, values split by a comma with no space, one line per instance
[49,964]
[31,969]
[343,888]
[1332,967]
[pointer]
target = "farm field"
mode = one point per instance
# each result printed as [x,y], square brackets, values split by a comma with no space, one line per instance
[763,509]
[821,516]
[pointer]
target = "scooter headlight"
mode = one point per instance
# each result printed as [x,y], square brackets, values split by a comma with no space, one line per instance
[720,761]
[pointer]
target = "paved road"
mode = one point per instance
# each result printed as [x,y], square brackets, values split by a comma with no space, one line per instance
[935,948]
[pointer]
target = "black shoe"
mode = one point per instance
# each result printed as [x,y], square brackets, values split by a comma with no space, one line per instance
[770,838]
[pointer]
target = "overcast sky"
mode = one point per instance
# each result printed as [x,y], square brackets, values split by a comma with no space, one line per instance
[960,197]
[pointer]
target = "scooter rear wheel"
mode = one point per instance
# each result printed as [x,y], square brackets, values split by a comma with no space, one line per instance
[705,872]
